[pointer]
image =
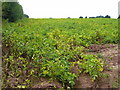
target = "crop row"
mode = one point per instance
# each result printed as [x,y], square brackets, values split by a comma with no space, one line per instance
[50,47]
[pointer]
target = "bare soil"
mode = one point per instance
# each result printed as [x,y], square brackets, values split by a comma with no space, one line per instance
[45,83]
[110,54]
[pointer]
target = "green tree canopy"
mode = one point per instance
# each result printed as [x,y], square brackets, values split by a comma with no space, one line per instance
[107,16]
[12,11]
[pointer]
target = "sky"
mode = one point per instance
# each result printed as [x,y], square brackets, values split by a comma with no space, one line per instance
[69,8]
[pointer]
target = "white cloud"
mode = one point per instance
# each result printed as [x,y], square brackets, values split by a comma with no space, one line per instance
[69,8]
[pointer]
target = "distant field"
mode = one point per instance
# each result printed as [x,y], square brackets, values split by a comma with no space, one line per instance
[50,47]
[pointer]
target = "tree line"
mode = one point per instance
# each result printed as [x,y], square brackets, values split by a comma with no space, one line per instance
[12,11]
[107,16]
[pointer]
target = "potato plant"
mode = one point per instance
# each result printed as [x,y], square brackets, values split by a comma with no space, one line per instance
[49,47]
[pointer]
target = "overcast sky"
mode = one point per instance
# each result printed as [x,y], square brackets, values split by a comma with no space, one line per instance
[69,8]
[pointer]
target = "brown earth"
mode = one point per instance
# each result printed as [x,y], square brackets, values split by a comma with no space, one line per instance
[109,53]
[45,83]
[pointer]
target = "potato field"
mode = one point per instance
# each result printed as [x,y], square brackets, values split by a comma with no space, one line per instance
[50,49]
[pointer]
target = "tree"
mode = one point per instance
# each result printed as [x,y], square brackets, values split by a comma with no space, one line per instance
[12,11]
[86,17]
[26,16]
[107,16]
[92,17]
[80,17]
[100,16]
